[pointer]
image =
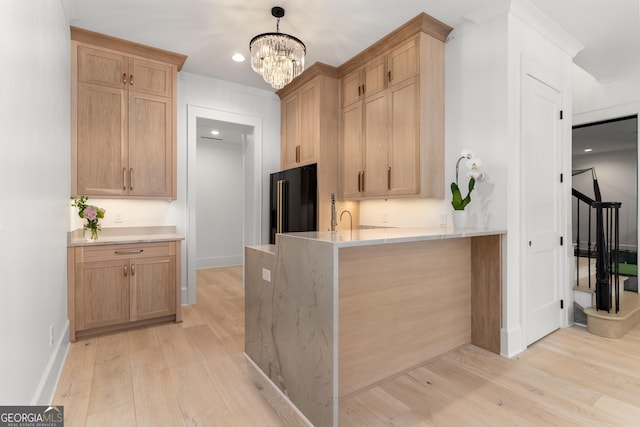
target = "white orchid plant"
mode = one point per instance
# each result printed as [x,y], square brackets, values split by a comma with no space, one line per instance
[473,164]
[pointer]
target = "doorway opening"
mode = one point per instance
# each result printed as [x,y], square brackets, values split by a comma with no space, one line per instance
[219,192]
[224,190]
[608,152]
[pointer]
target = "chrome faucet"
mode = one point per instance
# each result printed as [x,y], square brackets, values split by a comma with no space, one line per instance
[350,219]
[333,212]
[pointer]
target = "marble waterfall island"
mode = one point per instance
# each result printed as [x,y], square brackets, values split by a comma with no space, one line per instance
[328,314]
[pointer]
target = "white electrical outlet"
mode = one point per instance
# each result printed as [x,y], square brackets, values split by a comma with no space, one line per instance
[266,275]
[51,336]
[118,218]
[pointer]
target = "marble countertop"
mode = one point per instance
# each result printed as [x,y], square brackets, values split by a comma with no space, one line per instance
[377,236]
[264,248]
[121,235]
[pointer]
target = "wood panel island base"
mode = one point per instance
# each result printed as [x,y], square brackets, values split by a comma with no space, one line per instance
[328,314]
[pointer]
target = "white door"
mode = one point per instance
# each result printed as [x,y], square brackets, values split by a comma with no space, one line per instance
[542,137]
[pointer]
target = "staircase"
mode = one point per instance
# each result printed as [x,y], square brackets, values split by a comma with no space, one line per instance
[598,300]
[607,324]
[615,325]
[584,288]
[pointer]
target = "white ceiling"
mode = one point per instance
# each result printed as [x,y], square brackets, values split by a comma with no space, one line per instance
[209,32]
[618,135]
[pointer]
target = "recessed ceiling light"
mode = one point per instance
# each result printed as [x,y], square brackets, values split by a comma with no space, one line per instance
[215,132]
[238,57]
[588,150]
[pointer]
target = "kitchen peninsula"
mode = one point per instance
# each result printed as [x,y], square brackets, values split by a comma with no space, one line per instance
[330,313]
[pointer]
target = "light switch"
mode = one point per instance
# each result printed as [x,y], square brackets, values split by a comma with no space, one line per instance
[266,275]
[443,219]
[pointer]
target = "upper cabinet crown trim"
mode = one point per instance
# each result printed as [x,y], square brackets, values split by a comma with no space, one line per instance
[114,43]
[317,69]
[421,23]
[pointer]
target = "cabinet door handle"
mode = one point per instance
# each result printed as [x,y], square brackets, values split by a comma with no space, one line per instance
[133,270]
[363,87]
[297,153]
[131,79]
[362,181]
[389,76]
[125,270]
[129,252]
[359,90]
[359,187]
[124,178]
[389,178]
[124,78]
[131,179]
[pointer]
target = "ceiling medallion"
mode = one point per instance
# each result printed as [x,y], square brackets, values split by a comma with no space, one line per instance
[277,57]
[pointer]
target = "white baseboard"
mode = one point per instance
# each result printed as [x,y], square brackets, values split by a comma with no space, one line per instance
[511,342]
[49,382]
[185,296]
[220,261]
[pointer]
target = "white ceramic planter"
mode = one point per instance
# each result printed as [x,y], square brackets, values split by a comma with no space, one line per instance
[460,219]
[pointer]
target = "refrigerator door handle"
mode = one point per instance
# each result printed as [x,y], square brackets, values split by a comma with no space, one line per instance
[280,206]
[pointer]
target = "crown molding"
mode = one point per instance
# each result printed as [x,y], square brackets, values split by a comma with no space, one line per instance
[532,16]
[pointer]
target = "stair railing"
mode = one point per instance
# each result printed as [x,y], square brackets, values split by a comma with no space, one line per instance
[606,247]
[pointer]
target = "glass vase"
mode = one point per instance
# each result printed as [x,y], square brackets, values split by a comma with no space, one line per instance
[91,234]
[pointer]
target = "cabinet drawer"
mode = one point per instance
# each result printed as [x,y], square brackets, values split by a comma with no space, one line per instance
[128,251]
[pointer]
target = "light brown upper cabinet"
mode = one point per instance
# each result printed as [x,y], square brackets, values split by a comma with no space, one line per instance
[380,73]
[366,81]
[309,133]
[300,136]
[111,68]
[392,115]
[389,143]
[123,118]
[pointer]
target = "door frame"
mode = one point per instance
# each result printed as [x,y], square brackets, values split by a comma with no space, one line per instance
[611,113]
[530,68]
[252,171]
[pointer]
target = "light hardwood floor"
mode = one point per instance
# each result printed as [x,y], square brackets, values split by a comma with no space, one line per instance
[188,374]
[193,374]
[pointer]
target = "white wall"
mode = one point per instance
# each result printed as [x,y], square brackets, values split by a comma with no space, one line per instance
[218,100]
[593,99]
[219,207]
[223,96]
[133,213]
[618,182]
[34,189]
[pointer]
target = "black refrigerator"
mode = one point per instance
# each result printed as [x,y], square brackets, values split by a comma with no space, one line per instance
[294,201]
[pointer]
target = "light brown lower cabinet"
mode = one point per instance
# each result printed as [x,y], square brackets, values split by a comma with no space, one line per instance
[121,286]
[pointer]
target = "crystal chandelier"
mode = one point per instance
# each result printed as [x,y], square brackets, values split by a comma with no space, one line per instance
[277,57]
